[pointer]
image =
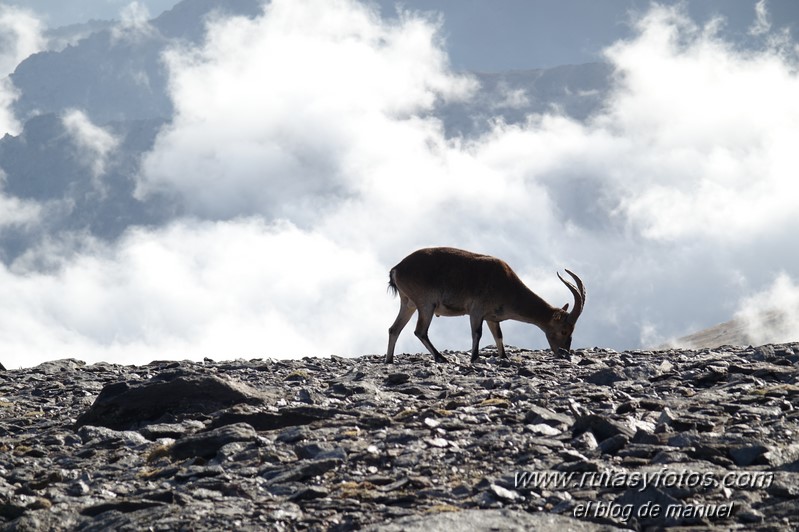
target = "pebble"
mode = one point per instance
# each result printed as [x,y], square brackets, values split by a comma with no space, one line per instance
[706,436]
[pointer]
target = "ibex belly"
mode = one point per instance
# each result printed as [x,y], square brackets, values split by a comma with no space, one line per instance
[450,308]
[446,308]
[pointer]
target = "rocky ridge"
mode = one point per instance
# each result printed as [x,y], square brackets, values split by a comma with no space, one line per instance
[593,440]
[738,331]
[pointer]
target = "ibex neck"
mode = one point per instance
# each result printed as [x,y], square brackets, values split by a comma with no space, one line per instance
[530,308]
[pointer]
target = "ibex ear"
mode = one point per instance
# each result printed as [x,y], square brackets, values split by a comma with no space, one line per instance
[566,306]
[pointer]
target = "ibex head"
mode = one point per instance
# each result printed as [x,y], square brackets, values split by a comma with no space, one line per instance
[560,328]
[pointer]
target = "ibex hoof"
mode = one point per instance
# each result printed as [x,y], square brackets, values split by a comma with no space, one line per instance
[441,359]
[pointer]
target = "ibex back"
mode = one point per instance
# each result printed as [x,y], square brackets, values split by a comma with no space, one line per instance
[454,282]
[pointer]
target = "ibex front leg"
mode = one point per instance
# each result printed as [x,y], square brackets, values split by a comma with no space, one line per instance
[422,325]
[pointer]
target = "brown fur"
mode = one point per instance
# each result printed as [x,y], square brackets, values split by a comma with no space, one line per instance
[453,282]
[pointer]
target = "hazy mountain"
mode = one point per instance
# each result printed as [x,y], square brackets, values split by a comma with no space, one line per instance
[116,78]
[44,164]
[188,18]
[576,91]
[735,332]
[60,38]
[107,79]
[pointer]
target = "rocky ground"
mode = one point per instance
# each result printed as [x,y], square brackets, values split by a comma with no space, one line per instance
[594,440]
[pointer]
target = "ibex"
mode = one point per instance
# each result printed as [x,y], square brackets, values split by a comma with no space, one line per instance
[454,282]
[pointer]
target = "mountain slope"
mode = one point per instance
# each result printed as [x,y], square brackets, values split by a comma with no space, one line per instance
[737,331]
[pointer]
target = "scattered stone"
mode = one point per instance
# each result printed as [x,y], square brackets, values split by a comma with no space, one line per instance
[538,414]
[488,520]
[613,444]
[606,377]
[321,450]
[505,494]
[345,444]
[309,493]
[264,419]
[397,378]
[585,442]
[206,444]
[105,437]
[747,454]
[124,506]
[156,431]
[544,429]
[602,427]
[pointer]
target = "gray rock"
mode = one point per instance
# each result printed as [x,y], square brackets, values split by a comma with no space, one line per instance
[103,436]
[488,520]
[311,492]
[122,405]
[155,431]
[606,377]
[538,414]
[602,427]
[206,444]
[265,420]
[56,367]
[613,444]
[321,450]
[332,444]
[397,378]
[747,454]
[307,469]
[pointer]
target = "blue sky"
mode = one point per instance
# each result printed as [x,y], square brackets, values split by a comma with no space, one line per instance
[496,35]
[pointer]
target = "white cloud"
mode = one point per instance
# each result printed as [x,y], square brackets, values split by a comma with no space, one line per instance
[511,98]
[94,143]
[218,289]
[711,130]
[289,101]
[762,23]
[16,212]
[8,95]
[690,160]
[305,137]
[133,25]
[20,36]
[772,316]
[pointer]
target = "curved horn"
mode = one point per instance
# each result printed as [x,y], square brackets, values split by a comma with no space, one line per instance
[579,296]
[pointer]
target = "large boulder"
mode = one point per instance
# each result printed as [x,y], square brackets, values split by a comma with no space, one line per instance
[123,405]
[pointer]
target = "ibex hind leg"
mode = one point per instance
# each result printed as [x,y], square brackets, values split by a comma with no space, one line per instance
[496,332]
[403,317]
[422,325]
